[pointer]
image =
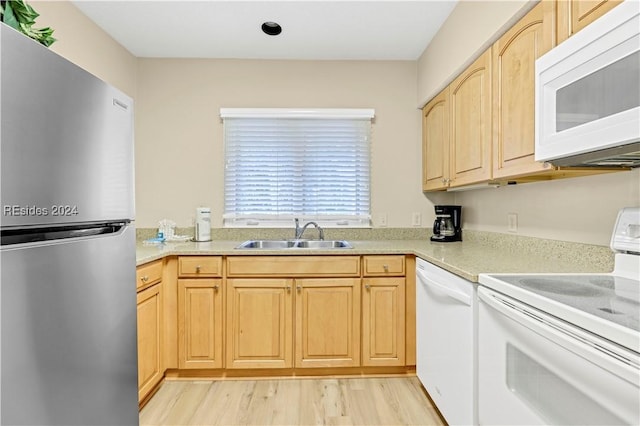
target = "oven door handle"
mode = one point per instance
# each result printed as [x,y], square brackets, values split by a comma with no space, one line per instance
[447,291]
[621,362]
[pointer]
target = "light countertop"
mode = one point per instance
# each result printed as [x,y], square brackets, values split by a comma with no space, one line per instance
[466,259]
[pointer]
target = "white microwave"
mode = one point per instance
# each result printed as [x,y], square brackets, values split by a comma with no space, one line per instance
[587,100]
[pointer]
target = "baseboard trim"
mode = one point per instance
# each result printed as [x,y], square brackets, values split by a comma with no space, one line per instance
[289,373]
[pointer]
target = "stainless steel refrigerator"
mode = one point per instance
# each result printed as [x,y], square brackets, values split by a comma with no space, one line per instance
[68,351]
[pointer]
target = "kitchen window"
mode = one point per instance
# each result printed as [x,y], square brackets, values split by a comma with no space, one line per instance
[286,163]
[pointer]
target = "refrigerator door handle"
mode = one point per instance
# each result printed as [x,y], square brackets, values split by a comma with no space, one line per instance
[10,237]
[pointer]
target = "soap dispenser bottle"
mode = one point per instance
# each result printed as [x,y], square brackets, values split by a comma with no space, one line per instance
[203,224]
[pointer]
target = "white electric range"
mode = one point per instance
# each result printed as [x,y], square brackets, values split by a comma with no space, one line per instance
[563,348]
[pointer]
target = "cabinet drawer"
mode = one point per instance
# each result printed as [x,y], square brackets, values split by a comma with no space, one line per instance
[199,266]
[293,266]
[149,273]
[383,265]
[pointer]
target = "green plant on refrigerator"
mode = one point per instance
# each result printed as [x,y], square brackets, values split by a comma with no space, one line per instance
[20,16]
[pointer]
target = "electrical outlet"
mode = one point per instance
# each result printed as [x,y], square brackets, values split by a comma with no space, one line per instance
[512,222]
[416,219]
[382,220]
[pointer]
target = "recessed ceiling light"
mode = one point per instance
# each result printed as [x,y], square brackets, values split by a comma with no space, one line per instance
[271,28]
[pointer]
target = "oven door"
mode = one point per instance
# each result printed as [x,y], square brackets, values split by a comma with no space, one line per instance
[536,369]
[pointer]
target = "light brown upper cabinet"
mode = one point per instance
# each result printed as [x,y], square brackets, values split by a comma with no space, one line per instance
[574,15]
[514,56]
[470,120]
[435,143]
[481,128]
[456,130]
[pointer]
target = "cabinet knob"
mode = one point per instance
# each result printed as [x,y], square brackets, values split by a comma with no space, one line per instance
[386,268]
[299,287]
[367,286]
[145,279]
[216,287]
[288,287]
[198,268]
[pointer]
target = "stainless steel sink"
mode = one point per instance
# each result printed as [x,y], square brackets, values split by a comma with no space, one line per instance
[320,244]
[294,244]
[267,244]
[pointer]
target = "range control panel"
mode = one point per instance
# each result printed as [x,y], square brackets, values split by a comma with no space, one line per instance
[626,233]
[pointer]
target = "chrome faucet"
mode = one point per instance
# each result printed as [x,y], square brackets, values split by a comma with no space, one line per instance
[300,231]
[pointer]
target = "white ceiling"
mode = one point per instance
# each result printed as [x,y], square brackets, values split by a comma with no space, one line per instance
[312,30]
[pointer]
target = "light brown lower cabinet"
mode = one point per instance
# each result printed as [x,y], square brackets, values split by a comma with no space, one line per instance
[261,317]
[309,312]
[327,322]
[200,323]
[150,342]
[259,323]
[383,322]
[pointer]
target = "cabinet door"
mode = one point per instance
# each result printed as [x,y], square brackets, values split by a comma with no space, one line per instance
[292,266]
[383,322]
[435,143]
[574,15]
[328,322]
[150,367]
[148,274]
[383,266]
[199,266]
[514,56]
[199,323]
[470,138]
[259,323]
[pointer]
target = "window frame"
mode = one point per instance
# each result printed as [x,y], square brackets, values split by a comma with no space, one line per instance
[284,221]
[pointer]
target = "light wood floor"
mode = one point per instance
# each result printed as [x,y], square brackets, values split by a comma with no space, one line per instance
[357,401]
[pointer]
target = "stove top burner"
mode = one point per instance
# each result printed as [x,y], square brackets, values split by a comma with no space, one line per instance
[607,305]
[608,297]
[568,288]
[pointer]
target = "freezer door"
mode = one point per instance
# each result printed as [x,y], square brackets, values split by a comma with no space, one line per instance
[68,324]
[67,140]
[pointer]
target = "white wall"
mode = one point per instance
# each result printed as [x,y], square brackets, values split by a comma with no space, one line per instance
[84,43]
[580,209]
[472,27]
[179,132]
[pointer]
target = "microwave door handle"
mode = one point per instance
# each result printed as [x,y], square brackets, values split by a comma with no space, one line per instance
[623,364]
[447,291]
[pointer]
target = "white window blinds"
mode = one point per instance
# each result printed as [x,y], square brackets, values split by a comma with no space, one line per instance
[311,164]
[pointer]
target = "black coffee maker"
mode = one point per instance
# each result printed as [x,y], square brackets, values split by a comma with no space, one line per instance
[447,226]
